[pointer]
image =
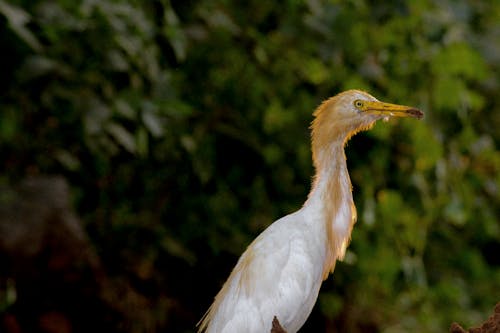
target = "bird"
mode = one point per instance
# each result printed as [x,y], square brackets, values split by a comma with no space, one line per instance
[280,273]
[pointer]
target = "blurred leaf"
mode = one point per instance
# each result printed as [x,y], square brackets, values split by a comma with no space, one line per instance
[68,160]
[18,19]
[122,136]
[427,148]
[142,142]
[175,34]
[36,66]
[449,93]
[9,124]
[177,249]
[8,296]
[314,71]
[125,109]
[276,117]
[151,120]
[459,59]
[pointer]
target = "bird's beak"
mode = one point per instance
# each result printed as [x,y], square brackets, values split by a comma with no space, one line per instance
[387,109]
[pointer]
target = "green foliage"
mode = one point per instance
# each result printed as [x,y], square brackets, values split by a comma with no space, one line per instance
[183,128]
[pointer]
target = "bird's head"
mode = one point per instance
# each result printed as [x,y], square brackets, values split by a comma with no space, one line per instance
[343,115]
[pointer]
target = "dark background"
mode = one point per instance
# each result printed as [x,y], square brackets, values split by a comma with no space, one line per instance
[178,130]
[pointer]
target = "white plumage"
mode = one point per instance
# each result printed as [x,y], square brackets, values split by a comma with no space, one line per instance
[281,271]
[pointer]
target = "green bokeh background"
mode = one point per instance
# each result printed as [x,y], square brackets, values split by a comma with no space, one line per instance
[182,128]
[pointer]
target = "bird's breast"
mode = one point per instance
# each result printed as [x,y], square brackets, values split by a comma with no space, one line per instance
[278,275]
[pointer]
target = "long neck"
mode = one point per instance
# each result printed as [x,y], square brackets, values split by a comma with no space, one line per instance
[331,195]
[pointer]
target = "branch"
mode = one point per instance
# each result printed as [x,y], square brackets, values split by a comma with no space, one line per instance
[277,327]
[492,325]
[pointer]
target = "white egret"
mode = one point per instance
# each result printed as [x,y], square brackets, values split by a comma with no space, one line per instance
[281,271]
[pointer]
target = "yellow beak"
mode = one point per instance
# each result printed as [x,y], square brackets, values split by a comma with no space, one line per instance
[387,109]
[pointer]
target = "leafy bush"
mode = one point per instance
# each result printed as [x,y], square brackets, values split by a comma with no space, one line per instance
[183,129]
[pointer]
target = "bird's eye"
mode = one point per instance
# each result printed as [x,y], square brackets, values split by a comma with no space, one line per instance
[358,103]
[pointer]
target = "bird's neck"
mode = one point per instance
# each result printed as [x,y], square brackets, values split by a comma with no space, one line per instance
[331,198]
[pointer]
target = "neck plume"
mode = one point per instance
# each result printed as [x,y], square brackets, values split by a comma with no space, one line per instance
[332,195]
[332,190]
